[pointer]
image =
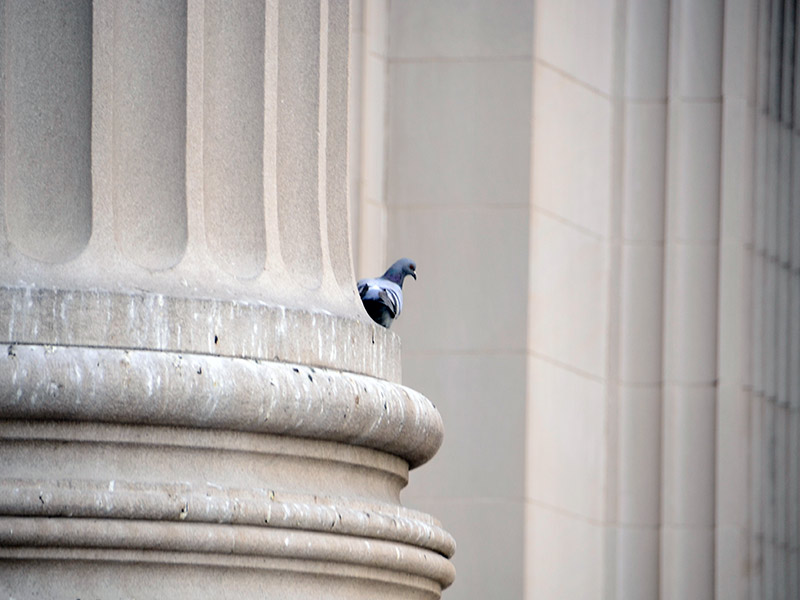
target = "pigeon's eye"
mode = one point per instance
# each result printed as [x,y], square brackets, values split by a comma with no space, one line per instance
[412,266]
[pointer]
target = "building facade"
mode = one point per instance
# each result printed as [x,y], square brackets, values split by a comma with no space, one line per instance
[603,201]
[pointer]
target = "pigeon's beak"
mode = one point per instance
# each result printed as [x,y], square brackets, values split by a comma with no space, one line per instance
[414,275]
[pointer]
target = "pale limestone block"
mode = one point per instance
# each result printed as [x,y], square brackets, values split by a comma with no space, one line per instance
[757,324]
[357,22]
[641,302]
[373,134]
[783,367]
[784,197]
[732,571]
[298,138]
[376,23]
[795,195]
[571,173]
[460,133]
[569,296]
[738,171]
[794,341]
[149,112]
[733,430]
[688,456]
[768,494]
[646,50]
[780,523]
[687,555]
[757,415]
[564,555]
[637,562]
[335,195]
[739,50]
[639,456]
[482,398]
[794,502]
[772,171]
[756,524]
[690,313]
[47,111]
[461,29]
[770,343]
[372,254]
[577,38]
[442,241]
[567,449]
[233,136]
[694,172]
[735,336]
[760,193]
[644,171]
[696,31]
[762,52]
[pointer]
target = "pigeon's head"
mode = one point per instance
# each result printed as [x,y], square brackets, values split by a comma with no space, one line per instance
[398,271]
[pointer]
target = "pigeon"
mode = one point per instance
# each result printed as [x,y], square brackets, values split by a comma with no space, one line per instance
[383,296]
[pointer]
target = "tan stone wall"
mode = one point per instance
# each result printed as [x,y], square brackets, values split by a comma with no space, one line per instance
[602,201]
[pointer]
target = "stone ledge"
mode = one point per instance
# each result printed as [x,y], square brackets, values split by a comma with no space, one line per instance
[191,543]
[142,387]
[154,575]
[213,504]
[237,329]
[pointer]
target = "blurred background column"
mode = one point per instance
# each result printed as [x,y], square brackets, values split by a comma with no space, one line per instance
[602,201]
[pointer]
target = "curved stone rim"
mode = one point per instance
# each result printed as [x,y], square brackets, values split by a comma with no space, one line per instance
[224,539]
[191,325]
[259,508]
[201,391]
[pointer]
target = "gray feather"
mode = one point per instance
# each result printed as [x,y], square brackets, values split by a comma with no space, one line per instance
[383,296]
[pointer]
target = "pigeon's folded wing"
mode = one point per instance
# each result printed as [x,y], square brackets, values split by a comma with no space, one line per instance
[383,291]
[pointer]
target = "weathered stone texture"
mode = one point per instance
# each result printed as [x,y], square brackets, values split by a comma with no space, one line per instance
[193,402]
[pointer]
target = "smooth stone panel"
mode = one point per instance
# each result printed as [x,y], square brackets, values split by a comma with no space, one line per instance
[638,498]
[644,171]
[336,145]
[694,171]
[566,454]
[572,135]
[697,56]
[298,139]
[564,555]
[688,465]
[690,319]
[687,555]
[491,315]
[149,115]
[460,133]
[641,304]
[233,135]
[637,566]
[461,29]
[646,50]
[46,112]
[569,297]
[577,38]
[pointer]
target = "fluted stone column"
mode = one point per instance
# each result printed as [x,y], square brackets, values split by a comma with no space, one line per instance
[193,402]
